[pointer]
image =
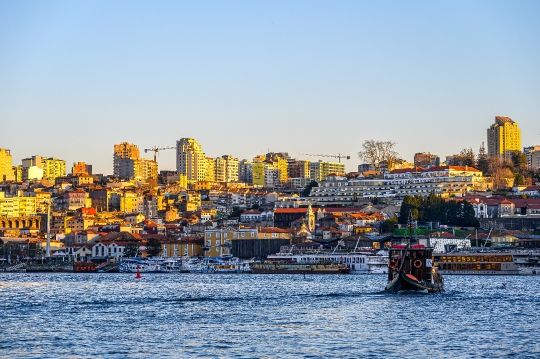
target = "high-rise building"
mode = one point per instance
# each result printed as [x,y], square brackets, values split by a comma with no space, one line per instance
[299,168]
[53,168]
[504,137]
[530,152]
[38,167]
[245,171]
[191,160]
[426,160]
[6,165]
[231,173]
[122,151]
[319,170]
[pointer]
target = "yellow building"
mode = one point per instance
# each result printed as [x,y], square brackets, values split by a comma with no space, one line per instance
[129,202]
[191,160]
[53,168]
[77,223]
[6,165]
[17,206]
[17,173]
[42,200]
[319,170]
[504,137]
[212,167]
[217,241]
[259,169]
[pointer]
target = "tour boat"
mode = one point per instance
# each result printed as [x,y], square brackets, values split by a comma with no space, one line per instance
[491,263]
[272,267]
[357,262]
[411,269]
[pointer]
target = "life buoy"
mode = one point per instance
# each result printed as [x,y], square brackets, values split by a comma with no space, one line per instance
[392,264]
[417,263]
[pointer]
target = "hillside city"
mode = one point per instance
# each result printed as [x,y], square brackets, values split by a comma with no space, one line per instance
[212,207]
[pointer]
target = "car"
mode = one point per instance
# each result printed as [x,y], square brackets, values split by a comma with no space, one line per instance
[482,229]
[465,229]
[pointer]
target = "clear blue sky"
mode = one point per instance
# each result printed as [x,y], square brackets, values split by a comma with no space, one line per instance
[243,77]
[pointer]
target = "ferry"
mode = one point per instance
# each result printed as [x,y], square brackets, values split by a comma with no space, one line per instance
[357,262]
[490,263]
[272,267]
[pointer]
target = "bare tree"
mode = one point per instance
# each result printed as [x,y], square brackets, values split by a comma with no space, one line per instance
[377,152]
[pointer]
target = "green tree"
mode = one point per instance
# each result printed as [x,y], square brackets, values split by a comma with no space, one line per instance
[153,247]
[519,160]
[307,190]
[131,249]
[387,226]
[482,161]
[236,211]
[519,180]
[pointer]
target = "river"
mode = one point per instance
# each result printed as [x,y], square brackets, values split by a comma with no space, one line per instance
[264,316]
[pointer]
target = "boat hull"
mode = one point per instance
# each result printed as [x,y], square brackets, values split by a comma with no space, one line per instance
[299,269]
[407,282]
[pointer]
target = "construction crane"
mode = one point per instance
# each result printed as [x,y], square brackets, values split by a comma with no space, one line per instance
[339,156]
[156,149]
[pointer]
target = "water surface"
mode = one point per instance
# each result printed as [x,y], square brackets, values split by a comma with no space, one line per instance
[263,316]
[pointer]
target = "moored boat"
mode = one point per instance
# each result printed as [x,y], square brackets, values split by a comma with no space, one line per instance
[85,267]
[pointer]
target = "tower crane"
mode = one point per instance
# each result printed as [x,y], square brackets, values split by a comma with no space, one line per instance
[156,149]
[339,156]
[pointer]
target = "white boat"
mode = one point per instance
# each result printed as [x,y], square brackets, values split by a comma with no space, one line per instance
[139,264]
[358,262]
[529,270]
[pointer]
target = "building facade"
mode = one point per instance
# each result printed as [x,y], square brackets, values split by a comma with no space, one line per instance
[191,160]
[504,137]
[6,165]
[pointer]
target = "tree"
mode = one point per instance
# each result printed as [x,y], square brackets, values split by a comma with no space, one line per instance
[153,247]
[519,180]
[376,152]
[468,157]
[387,226]
[236,211]
[307,190]
[519,160]
[131,249]
[481,160]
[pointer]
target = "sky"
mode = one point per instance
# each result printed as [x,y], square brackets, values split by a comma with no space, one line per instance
[247,77]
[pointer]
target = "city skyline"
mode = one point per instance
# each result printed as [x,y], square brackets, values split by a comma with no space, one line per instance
[248,78]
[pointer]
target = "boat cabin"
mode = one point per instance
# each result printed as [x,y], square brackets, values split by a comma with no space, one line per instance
[415,260]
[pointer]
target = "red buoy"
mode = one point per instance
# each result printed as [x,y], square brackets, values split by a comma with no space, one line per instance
[138,272]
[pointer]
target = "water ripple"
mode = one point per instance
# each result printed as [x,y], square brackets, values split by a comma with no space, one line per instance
[263,316]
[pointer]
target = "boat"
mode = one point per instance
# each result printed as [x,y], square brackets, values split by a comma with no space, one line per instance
[358,261]
[170,265]
[529,271]
[288,267]
[411,269]
[134,265]
[479,262]
[85,267]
